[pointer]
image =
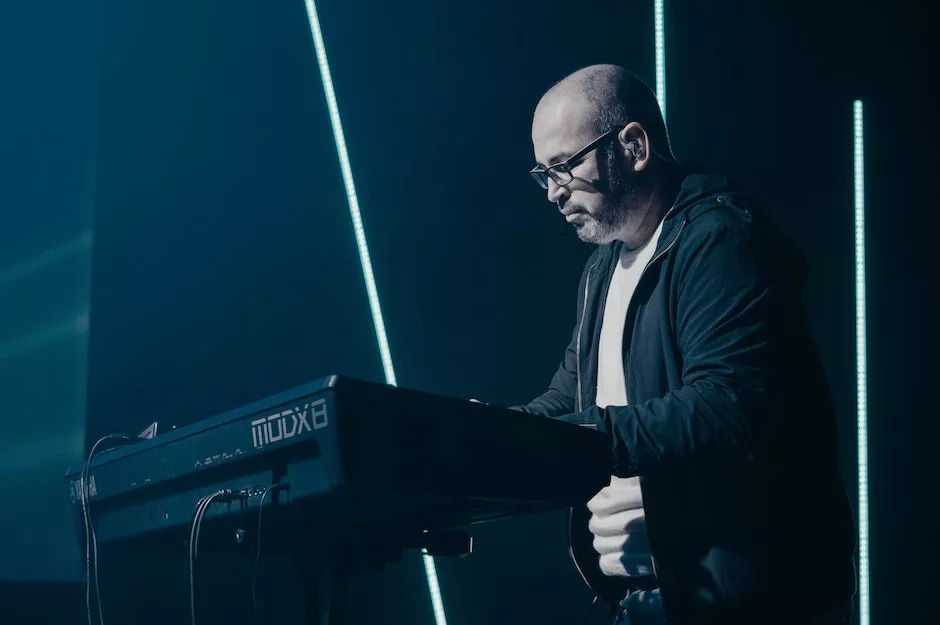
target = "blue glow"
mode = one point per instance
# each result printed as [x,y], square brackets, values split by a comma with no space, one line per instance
[861,363]
[430,570]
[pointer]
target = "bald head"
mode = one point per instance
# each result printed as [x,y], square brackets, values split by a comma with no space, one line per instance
[599,98]
[593,87]
[602,153]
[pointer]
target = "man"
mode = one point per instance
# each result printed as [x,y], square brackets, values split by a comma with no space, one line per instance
[692,352]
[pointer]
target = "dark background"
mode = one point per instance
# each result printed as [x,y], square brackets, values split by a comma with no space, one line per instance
[169,174]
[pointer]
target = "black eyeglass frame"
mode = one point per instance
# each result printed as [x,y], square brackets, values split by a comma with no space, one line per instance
[561,172]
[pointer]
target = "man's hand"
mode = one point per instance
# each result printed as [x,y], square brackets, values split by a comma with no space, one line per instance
[618,523]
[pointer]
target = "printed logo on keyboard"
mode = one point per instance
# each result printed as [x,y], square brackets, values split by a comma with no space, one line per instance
[289,423]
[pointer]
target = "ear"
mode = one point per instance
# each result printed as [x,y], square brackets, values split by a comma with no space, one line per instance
[635,145]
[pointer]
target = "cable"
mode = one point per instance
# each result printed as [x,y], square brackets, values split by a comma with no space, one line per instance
[254,577]
[224,495]
[590,611]
[91,541]
[201,506]
[202,514]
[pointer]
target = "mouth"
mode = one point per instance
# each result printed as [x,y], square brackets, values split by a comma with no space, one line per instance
[577,217]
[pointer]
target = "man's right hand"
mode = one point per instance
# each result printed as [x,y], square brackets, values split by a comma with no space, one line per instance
[618,523]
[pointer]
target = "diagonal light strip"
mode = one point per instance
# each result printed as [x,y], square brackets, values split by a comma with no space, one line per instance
[430,570]
[360,232]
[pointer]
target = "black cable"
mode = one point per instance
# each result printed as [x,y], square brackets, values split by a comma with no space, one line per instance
[254,577]
[224,495]
[201,506]
[91,541]
[202,514]
[590,611]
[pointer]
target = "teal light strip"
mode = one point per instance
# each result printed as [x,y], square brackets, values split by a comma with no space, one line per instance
[659,31]
[430,570]
[861,363]
[340,140]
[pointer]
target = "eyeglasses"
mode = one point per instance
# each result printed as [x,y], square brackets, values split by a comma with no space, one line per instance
[561,172]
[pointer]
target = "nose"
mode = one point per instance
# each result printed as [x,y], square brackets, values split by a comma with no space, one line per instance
[556,191]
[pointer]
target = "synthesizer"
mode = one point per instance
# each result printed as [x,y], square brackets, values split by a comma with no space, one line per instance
[341,453]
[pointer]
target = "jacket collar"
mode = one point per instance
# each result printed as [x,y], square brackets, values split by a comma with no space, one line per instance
[693,191]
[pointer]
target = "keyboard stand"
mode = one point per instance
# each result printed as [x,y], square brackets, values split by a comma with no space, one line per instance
[326,575]
[326,590]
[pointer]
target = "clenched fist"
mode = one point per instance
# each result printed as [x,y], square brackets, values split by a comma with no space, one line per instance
[618,523]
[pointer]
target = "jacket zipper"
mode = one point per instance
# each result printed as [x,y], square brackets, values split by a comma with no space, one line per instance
[578,357]
[587,282]
[666,249]
[643,273]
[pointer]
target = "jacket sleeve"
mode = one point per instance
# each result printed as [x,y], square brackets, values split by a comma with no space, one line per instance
[560,398]
[727,296]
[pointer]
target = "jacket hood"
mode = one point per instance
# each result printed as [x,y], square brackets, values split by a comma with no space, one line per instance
[701,192]
[696,185]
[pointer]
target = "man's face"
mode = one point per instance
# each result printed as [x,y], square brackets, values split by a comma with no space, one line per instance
[599,201]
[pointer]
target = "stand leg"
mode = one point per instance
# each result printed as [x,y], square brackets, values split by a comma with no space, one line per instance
[326,589]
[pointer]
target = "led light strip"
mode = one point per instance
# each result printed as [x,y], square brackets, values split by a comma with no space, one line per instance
[861,364]
[659,30]
[430,570]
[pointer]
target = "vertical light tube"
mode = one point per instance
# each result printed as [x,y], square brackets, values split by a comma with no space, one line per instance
[338,136]
[861,361]
[659,30]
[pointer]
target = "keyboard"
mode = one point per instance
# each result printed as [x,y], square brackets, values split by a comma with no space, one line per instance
[343,453]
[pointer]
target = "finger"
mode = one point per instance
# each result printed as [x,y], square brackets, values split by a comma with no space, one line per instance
[619,566]
[604,545]
[624,522]
[611,565]
[618,489]
[630,545]
[610,502]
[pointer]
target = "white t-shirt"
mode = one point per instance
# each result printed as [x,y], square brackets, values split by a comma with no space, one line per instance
[611,377]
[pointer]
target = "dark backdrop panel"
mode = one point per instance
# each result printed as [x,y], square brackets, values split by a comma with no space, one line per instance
[226,267]
[743,100]
[765,92]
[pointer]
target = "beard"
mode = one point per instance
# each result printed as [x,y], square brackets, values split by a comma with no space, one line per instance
[620,192]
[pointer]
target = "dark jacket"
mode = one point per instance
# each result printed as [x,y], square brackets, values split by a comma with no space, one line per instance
[730,424]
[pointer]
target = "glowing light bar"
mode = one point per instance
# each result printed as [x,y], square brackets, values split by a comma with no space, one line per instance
[353,200]
[430,570]
[861,364]
[659,30]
